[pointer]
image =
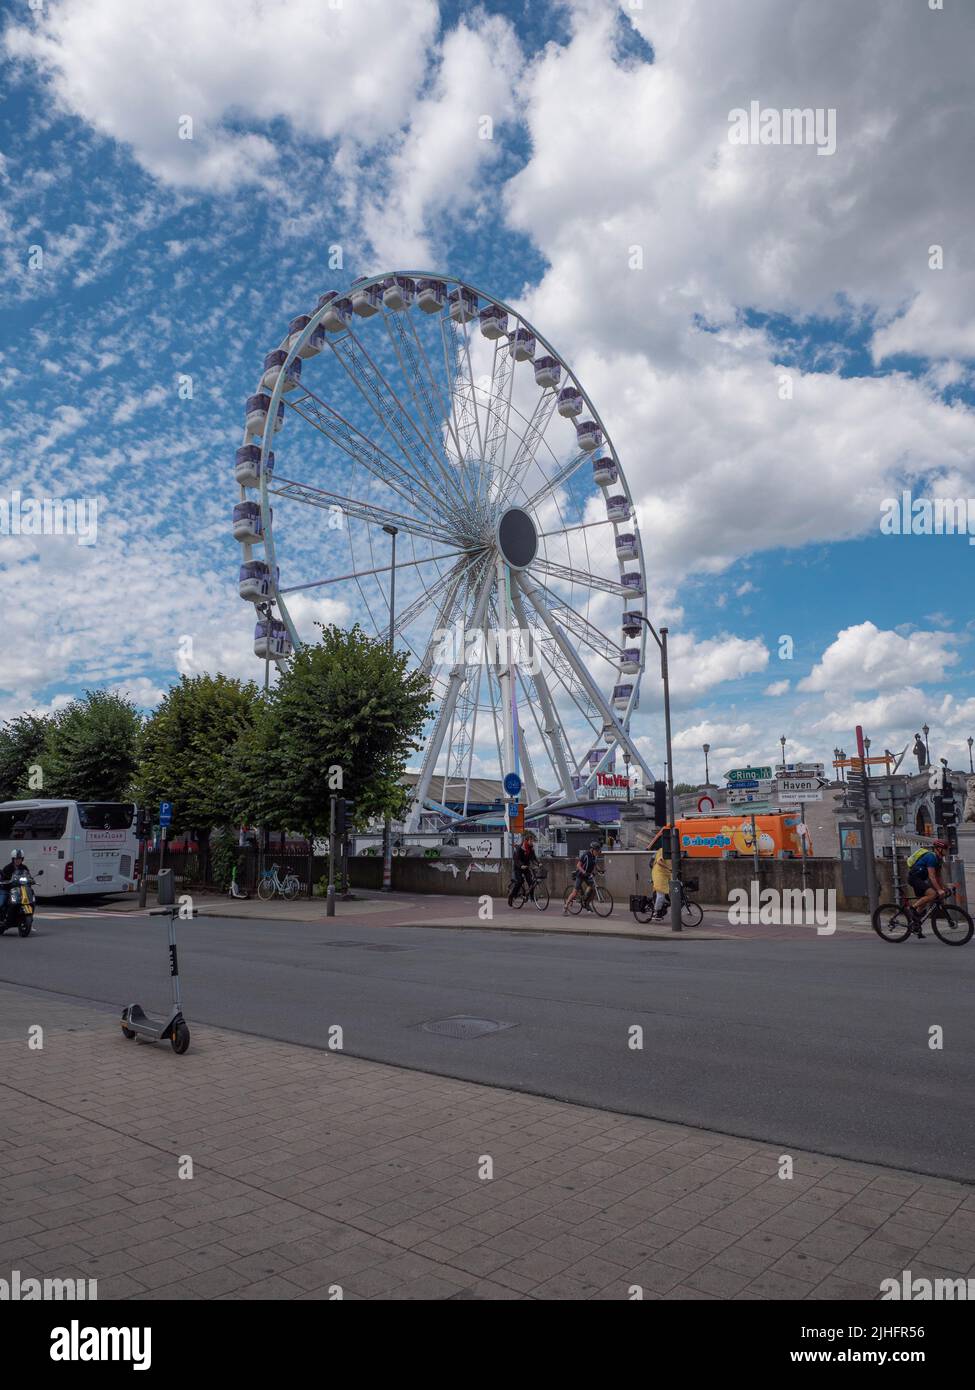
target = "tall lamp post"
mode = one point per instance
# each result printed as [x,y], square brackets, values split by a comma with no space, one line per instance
[782,741]
[970,741]
[392,532]
[707,775]
[927,751]
[675,902]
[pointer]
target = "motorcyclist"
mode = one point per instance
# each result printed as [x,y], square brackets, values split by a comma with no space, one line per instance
[16,866]
[524,861]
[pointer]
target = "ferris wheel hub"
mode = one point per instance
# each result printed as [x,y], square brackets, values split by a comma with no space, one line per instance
[517,538]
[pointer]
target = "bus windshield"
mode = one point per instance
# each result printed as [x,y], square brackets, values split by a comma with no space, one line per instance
[106,815]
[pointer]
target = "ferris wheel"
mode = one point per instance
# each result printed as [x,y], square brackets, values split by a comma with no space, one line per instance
[448,484]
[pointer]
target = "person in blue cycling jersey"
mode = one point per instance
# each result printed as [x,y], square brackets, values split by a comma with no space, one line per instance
[924,875]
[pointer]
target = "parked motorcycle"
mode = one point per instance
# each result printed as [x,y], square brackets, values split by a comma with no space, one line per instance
[18,910]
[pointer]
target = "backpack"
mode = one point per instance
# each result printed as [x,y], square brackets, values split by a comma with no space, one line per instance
[912,861]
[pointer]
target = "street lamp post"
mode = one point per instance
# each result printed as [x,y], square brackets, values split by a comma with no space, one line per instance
[866,761]
[392,532]
[707,774]
[925,730]
[675,902]
[782,741]
[970,741]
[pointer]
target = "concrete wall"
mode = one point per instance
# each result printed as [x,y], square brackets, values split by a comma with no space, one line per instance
[629,872]
[418,875]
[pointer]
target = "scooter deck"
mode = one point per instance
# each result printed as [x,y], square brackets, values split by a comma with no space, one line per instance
[147,1025]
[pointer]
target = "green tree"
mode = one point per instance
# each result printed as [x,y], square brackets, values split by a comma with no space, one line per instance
[346,702]
[184,750]
[21,747]
[90,748]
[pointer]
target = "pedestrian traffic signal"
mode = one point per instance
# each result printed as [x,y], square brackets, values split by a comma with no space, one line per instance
[143,825]
[660,803]
[343,815]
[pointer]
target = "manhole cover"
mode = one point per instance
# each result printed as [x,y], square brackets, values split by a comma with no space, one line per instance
[367,945]
[463,1027]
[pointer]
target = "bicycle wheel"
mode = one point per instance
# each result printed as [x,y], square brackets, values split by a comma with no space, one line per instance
[601,902]
[574,907]
[891,922]
[691,914]
[291,889]
[952,925]
[266,889]
[540,896]
[516,899]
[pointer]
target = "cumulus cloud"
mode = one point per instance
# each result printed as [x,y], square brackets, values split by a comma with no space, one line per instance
[134,69]
[864,656]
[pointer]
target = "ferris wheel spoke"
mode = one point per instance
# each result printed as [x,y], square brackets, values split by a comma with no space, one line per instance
[364,574]
[529,444]
[463,394]
[581,577]
[361,511]
[390,411]
[363,451]
[429,421]
[579,626]
[562,476]
[441,413]
[446,587]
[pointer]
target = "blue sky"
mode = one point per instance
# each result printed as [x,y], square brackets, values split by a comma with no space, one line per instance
[357,127]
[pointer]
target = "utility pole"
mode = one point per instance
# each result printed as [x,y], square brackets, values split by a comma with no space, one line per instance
[868,849]
[387,887]
[330,891]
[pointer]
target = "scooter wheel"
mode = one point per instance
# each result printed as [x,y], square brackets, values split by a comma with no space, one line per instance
[180,1039]
[127,1033]
[25,928]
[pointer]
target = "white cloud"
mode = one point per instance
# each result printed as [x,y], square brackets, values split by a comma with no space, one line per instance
[864,656]
[134,68]
[776,688]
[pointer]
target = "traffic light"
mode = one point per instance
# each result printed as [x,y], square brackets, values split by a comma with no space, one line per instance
[143,824]
[343,815]
[660,803]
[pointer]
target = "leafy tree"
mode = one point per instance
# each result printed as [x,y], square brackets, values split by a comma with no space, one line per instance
[184,750]
[21,747]
[90,748]
[346,702]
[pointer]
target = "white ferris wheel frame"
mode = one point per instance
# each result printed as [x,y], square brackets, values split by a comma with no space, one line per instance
[513,588]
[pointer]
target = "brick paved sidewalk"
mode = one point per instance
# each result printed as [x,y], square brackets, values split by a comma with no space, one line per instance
[313,1170]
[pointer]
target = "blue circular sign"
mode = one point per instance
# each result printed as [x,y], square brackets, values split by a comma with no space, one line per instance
[512,784]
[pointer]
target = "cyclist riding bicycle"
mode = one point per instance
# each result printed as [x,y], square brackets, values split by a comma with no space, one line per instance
[924,876]
[584,877]
[525,861]
[660,878]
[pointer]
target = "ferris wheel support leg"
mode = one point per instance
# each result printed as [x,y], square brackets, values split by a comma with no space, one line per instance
[446,711]
[579,667]
[554,732]
[506,668]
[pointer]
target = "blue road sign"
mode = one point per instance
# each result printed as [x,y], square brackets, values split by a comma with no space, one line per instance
[512,784]
[165,813]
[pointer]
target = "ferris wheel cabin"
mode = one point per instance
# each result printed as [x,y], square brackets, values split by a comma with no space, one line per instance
[494,321]
[254,581]
[248,524]
[399,292]
[570,402]
[367,300]
[431,295]
[247,466]
[256,410]
[273,366]
[272,639]
[548,371]
[463,305]
[604,472]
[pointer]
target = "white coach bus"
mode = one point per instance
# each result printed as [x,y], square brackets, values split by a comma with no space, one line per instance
[72,847]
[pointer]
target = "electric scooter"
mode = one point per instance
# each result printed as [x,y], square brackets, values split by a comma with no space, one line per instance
[136,1023]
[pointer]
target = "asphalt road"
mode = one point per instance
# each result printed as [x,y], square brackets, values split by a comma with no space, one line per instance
[821,1044]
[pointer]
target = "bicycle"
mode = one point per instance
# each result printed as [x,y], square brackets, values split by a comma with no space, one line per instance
[271,885]
[951,923]
[691,913]
[534,888]
[597,899]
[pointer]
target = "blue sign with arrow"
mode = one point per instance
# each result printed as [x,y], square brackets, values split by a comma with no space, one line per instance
[512,784]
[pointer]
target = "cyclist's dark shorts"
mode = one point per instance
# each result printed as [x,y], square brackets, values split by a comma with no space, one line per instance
[581,879]
[919,881]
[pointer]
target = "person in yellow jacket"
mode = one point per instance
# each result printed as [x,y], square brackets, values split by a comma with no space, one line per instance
[660,878]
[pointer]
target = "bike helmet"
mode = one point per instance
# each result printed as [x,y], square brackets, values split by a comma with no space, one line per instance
[18,854]
[594,844]
[939,844]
